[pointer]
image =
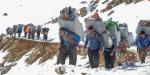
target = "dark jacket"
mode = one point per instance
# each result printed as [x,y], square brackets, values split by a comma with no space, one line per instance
[94,42]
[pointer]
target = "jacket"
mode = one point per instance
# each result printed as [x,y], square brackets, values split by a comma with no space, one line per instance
[94,42]
[142,43]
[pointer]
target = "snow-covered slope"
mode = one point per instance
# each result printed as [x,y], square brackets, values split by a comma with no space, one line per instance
[41,11]
[130,14]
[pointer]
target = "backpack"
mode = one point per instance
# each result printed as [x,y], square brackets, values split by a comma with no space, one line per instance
[28,28]
[15,28]
[38,28]
[45,30]
[20,27]
[8,30]
[33,29]
[124,32]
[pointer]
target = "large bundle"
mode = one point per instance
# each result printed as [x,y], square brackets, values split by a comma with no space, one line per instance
[15,28]
[130,39]
[126,35]
[107,39]
[9,31]
[118,37]
[111,25]
[97,24]
[33,30]
[68,13]
[124,31]
[143,28]
[72,25]
[45,30]
[143,25]
[29,28]
[38,28]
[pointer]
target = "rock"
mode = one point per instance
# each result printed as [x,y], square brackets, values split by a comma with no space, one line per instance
[2,71]
[104,1]
[83,11]
[5,14]
[83,2]
[2,64]
[83,73]
[54,20]
[6,69]
[114,3]
[111,12]
[136,1]
[60,69]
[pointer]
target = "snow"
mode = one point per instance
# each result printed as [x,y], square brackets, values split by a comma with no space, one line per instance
[49,68]
[41,11]
[2,55]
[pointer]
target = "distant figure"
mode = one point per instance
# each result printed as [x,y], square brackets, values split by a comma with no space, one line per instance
[29,30]
[33,31]
[39,28]
[9,31]
[15,30]
[25,31]
[20,27]
[143,45]
[45,33]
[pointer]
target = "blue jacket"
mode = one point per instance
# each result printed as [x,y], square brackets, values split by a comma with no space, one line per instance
[94,42]
[74,36]
[142,43]
[20,27]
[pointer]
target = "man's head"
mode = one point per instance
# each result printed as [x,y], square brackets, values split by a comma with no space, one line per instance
[90,29]
[142,34]
[61,31]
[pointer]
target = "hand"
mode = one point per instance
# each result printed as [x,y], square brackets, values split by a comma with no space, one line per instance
[111,54]
[70,39]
